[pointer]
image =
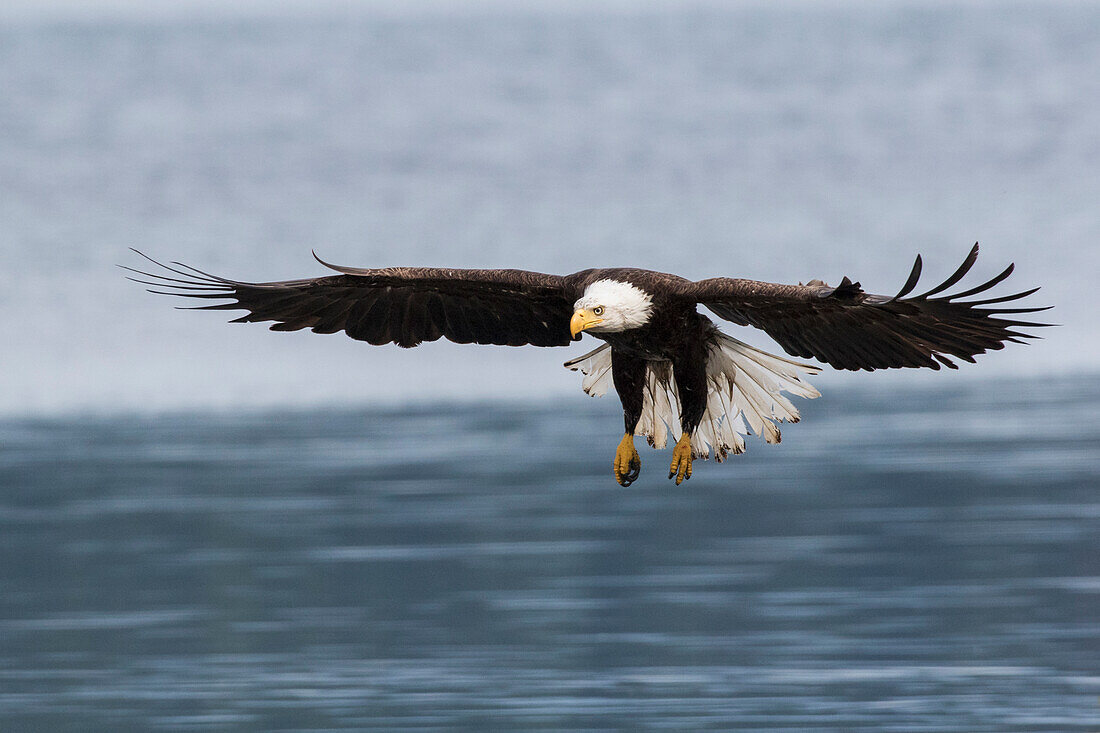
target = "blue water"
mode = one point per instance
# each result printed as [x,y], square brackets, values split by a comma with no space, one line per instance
[902,562]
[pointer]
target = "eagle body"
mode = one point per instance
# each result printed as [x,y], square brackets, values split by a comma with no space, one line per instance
[676,337]
[677,374]
[661,336]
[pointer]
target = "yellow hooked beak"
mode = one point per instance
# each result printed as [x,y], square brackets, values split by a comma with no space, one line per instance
[583,319]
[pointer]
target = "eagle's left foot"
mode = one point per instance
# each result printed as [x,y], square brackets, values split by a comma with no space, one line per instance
[628,464]
[681,460]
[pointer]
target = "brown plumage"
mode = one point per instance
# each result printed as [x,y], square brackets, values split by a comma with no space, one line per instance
[842,326]
[850,329]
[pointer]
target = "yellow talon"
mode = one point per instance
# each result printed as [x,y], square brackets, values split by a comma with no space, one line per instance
[681,460]
[628,464]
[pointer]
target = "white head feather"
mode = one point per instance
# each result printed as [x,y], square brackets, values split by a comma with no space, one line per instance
[625,306]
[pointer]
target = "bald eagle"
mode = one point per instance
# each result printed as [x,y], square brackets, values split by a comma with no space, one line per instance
[675,372]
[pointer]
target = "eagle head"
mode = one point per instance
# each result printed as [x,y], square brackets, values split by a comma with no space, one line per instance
[609,306]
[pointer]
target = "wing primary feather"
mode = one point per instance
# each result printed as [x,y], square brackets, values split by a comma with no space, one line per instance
[170,269]
[1029,324]
[1003,298]
[945,361]
[1035,309]
[984,286]
[216,296]
[957,275]
[911,283]
[201,288]
[208,275]
[192,281]
[214,307]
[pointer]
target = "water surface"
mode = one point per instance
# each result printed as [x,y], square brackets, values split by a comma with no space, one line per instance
[904,561]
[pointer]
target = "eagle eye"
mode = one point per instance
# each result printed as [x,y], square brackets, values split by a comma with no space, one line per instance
[598,310]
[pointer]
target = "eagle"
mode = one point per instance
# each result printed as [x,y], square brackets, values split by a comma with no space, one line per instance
[676,374]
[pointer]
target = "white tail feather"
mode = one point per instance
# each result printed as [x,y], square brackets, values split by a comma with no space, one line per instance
[744,394]
[596,368]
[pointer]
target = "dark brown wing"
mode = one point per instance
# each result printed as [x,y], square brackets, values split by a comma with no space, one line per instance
[850,329]
[402,305]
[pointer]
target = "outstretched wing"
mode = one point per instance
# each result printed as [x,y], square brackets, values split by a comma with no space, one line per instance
[850,329]
[402,305]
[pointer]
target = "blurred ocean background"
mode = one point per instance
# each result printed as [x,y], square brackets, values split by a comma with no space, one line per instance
[213,527]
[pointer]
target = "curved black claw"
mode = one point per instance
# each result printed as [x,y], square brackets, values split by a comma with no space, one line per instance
[632,475]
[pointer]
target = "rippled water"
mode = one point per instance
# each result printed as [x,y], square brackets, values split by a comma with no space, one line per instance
[913,561]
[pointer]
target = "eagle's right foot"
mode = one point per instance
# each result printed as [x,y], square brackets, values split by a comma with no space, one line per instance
[681,460]
[628,464]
